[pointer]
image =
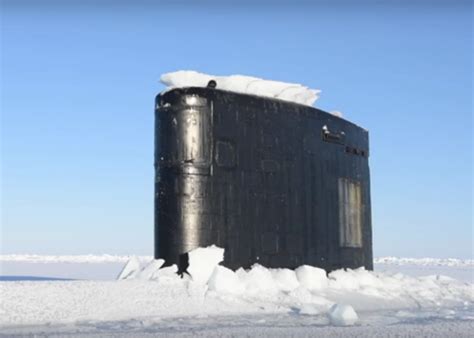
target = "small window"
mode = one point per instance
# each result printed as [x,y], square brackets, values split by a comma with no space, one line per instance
[225,154]
[350,213]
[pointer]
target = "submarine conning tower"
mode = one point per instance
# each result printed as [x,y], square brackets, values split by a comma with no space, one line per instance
[273,182]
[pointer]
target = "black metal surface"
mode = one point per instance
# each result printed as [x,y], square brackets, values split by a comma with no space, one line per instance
[258,177]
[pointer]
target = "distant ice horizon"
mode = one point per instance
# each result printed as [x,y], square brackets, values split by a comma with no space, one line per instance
[115,258]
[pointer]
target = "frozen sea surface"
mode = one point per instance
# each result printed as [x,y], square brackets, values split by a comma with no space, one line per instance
[80,297]
[107,267]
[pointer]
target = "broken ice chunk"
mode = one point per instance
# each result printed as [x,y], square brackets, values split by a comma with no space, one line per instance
[311,278]
[202,262]
[342,315]
[131,269]
[150,271]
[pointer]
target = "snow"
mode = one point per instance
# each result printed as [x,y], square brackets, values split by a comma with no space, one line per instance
[131,269]
[243,84]
[154,300]
[425,261]
[285,279]
[311,278]
[309,309]
[224,280]
[342,315]
[106,258]
[336,113]
[202,262]
[152,269]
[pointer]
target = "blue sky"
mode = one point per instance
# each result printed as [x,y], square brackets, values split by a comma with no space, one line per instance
[78,82]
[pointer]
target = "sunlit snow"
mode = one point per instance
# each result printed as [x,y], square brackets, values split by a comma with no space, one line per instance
[151,299]
[293,92]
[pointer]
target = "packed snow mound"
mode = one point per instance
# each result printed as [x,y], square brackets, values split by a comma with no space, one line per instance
[243,84]
[342,315]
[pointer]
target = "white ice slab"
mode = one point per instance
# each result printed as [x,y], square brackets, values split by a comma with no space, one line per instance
[293,92]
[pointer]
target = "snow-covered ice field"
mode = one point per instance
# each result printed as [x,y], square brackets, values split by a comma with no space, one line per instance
[80,296]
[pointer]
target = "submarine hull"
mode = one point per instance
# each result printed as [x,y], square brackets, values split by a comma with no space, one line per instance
[272,182]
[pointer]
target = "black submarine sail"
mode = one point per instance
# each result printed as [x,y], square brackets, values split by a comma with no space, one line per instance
[273,182]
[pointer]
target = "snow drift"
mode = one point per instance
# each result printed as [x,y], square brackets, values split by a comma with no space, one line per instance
[243,84]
